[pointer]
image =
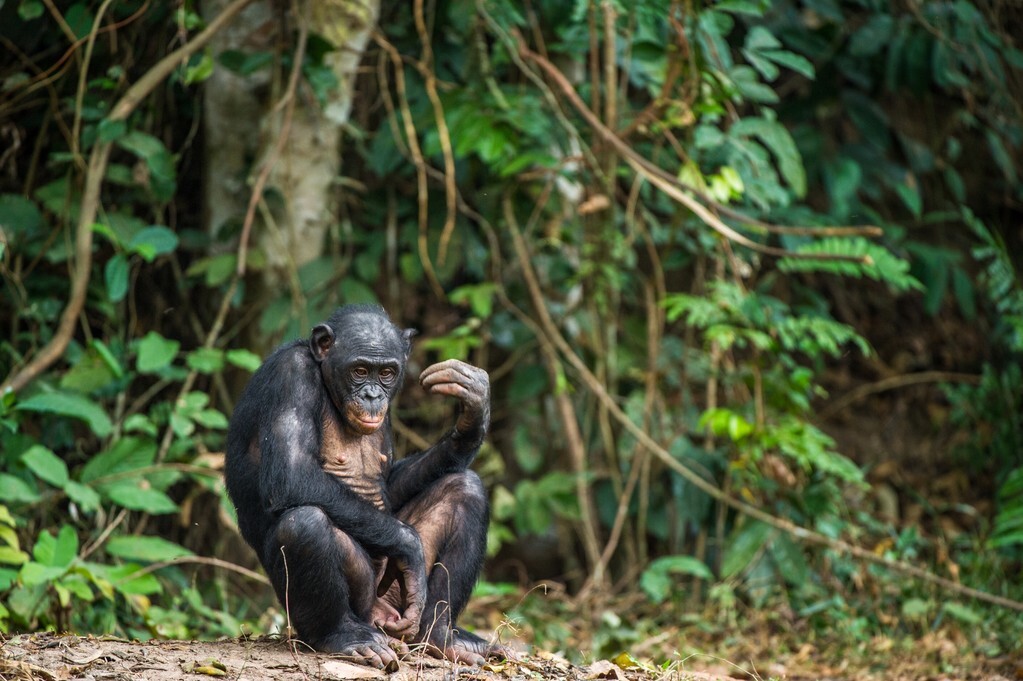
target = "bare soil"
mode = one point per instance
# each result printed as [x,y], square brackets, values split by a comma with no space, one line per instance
[51,657]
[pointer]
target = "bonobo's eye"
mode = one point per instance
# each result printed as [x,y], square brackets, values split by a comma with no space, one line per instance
[387,374]
[360,372]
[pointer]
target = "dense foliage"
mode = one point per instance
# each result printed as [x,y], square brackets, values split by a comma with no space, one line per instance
[614,224]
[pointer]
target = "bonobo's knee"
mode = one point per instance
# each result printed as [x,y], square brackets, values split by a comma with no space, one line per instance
[465,488]
[301,530]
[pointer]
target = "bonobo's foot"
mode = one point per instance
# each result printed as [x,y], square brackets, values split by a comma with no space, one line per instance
[363,645]
[464,648]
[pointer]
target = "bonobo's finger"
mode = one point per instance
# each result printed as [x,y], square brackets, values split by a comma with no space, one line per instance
[455,365]
[415,597]
[475,380]
[400,628]
[391,573]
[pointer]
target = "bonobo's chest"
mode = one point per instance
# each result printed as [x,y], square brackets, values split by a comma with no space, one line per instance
[361,461]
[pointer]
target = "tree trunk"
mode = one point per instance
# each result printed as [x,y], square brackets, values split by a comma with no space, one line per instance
[242,125]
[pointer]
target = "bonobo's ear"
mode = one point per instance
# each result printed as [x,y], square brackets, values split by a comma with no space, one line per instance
[407,336]
[320,341]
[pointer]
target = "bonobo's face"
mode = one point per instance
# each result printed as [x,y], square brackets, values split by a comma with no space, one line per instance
[362,360]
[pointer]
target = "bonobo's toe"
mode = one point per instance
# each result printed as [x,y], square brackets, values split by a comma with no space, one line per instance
[363,646]
[464,648]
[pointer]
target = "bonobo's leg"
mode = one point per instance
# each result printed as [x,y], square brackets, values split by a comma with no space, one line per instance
[327,584]
[451,517]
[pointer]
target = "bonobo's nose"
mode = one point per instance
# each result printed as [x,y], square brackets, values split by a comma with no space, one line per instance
[374,398]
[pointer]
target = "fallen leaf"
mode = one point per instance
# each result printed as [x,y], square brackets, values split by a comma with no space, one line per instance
[208,667]
[626,661]
[603,669]
[338,669]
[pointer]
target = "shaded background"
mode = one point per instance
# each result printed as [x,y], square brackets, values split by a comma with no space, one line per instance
[609,207]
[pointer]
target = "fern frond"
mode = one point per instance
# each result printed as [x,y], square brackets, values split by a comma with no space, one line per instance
[882,265]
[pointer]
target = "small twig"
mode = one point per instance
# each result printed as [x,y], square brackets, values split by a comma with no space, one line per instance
[891,383]
[83,79]
[198,560]
[576,448]
[422,189]
[450,190]
[88,550]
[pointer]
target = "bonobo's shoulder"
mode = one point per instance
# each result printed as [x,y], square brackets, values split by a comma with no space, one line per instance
[290,357]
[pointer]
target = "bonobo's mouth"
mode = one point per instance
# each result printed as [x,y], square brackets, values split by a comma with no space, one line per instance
[370,422]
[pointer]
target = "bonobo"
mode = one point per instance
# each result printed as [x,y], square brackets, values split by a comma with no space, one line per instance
[360,549]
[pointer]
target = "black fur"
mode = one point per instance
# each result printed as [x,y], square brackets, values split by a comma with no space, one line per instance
[290,508]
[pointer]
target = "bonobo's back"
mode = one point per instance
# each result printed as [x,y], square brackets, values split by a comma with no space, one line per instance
[251,414]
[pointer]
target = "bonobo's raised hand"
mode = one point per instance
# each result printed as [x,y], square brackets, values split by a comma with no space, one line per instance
[471,385]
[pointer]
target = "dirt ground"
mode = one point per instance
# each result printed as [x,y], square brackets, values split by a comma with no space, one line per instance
[50,657]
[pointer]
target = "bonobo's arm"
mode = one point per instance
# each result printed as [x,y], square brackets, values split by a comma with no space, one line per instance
[455,451]
[291,476]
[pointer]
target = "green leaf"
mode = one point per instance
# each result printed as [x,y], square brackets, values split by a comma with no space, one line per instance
[479,297]
[217,269]
[201,70]
[115,274]
[16,491]
[46,465]
[916,608]
[744,547]
[152,241]
[137,496]
[107,231]
[65,550]
[155,352]
[33,574]
[244,359]
[873,36]
[12,556]
[882,265]
[909,192]
[145,549]
[657,580]
[211,418]
[790,60]
[1003,158]
[788,557]
[85,497]
[30,9]
[121,578]
[110,131]
[58,552]
[19,216]
[140,423]
[245,64]
[75,406]
[124,455]
[726,422]
[159,161]
[962,613]
[90,373]
[108,357]
[777,138]
[205,360]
